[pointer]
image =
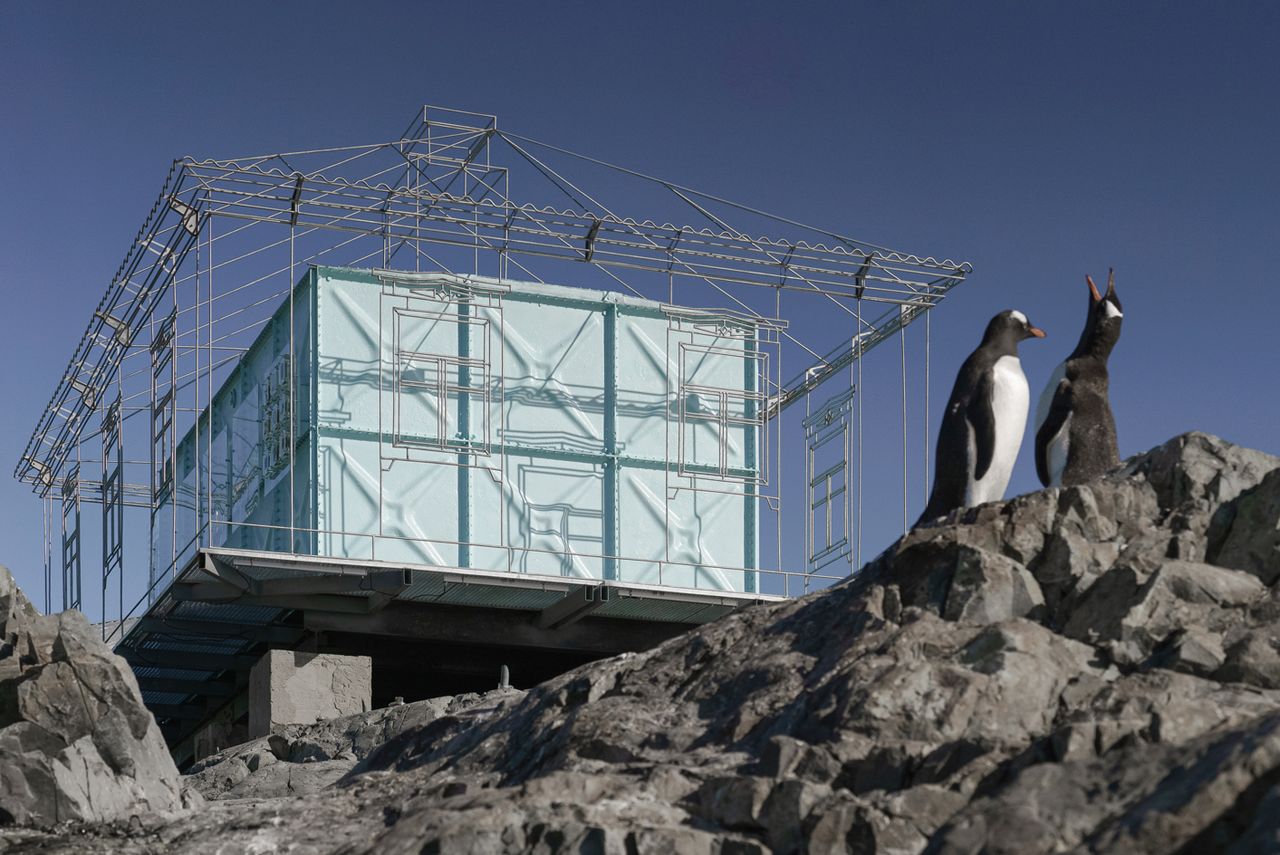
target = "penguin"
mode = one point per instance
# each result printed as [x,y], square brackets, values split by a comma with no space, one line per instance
[1075,429]
[985,418]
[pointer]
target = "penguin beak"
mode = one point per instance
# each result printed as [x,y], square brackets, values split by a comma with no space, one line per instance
[1111,283]
[1093,289]
[1036,331]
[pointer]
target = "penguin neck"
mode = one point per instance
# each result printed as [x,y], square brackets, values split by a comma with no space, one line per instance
[1096,342]
[1000,344]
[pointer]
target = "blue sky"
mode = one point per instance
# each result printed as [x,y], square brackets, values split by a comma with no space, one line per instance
[1040,141]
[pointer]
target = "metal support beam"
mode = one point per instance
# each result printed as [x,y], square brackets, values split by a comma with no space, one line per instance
[222,571]
[611,465]
[221,629]
[573,607]
[204,592]
[318,591]
[380,581]
[338,603]
[498,627]
[188,660]
[183,712]
[298,178]
[208,688]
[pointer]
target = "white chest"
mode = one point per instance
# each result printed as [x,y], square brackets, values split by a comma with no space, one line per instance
[1011,397]
[1010,400]
[1046,397]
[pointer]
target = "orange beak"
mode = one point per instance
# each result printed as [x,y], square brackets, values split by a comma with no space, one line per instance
[1036,331]
[1093,289]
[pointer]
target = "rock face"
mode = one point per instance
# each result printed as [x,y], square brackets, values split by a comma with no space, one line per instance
[76,743]
[1092,668]
[296,759]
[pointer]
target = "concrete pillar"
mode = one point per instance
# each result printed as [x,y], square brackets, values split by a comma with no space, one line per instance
[292,687]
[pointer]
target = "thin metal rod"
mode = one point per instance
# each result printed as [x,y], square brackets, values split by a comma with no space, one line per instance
[902,339]
[858,400]
[928,427]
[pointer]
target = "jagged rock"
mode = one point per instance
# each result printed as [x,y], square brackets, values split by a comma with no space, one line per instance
[1077,668]
[302,758]
[987,587]
[1134,614]
[289,779]
[1155,799]
[1254,658]
[1245,534]
[76,742]
[1192,651]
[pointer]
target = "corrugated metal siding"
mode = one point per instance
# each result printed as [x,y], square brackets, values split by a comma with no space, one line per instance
[228,612]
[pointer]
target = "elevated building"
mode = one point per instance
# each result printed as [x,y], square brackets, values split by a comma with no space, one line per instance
[373,402]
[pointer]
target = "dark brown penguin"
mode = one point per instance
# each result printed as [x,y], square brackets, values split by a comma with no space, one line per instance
[1075,429]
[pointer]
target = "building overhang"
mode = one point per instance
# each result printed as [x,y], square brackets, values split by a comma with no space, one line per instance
[193,648]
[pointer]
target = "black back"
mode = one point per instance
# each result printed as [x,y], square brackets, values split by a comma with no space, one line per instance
[970,407]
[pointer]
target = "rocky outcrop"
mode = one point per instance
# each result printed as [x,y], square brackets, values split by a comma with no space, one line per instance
[1094,667]
[76,743]
[297,759]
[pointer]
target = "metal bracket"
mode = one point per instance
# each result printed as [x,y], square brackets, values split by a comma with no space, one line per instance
[574,606]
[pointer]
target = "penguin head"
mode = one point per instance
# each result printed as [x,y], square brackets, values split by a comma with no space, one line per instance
[1102,328]
[1008,328]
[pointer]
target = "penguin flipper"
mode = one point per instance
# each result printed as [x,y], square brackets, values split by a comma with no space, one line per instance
[982,418]
[1059,411]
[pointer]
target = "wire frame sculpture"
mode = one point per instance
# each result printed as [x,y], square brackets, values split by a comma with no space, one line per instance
[227,241]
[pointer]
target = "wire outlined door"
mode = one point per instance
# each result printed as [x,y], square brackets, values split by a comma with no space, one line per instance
[719,442]
[441,455]
[828,517]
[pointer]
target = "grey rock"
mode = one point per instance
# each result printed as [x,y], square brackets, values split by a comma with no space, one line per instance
[986,588]
[1072,669]
[1262,836]
[1245,534]
[76,742]
[334,747]
[1254,658]
[289,779]
[1192,651]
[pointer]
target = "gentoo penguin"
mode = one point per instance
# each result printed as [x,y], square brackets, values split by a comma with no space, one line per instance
[1075,431]
[984,421]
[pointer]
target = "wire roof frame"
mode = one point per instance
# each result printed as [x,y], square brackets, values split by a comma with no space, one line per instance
[445,186]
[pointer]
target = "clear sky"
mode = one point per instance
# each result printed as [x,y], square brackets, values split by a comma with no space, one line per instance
[1040,141]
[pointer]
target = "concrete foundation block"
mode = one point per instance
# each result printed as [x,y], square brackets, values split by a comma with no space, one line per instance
[292,687]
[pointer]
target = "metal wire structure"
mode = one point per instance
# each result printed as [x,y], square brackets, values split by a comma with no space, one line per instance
[227,240]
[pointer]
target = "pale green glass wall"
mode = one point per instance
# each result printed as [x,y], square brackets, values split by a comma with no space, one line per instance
[527,432]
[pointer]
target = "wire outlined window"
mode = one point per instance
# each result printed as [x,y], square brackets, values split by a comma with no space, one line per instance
[440,390]
[828,518]
[720,416]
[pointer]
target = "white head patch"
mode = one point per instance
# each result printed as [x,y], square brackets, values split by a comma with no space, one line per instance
[1113,311]
[1018,316]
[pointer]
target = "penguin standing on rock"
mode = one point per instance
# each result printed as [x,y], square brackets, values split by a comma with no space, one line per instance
[1075,430]
[984,420]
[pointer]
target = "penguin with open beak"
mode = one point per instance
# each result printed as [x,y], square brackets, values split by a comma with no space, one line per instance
[984,420]
[1075,428]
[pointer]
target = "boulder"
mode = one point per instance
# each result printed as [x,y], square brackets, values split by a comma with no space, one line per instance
[1245,534]
[76,742]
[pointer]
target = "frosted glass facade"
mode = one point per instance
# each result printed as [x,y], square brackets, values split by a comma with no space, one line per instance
[495,425]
